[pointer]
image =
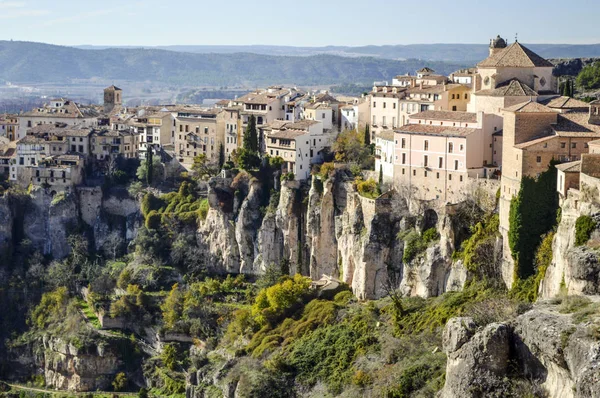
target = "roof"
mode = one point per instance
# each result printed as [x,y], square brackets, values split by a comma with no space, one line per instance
[428,129]
[594,143]
[549,136]
[530,107]
[570,167]
[510,88]
[425,69]
[113,87]
[387,135]
[576,125]
[515,56]
[304,125]
[466,117]
[564,103]
[69,110]
[289,134]
[590,165]
[319,105]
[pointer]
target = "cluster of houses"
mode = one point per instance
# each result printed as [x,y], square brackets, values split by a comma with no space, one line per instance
[434,135]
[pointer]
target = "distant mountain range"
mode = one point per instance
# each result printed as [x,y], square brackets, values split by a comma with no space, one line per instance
[461,53]
[43,63]
[242,66]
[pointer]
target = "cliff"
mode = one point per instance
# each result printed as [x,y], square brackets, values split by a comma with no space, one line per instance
[327,229]
[540,350]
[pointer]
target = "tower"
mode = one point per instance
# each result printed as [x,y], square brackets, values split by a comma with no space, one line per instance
[113,96]
[496,45]
[594,112]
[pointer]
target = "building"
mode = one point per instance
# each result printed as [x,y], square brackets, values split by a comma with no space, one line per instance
[385,151]
[202,131]
[58,111]
[9,126]
[113,99]
[299,144]
[320,112]
[437,152]
[349,115]
[55,173]
[112,143]
[154,129]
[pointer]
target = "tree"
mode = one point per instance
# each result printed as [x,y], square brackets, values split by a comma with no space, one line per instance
[349,147]
[201,166]
[172,308]
[380,174]
[156,170]
[367,136]
[247,160]
[149,166]
[221,156]
[251,136]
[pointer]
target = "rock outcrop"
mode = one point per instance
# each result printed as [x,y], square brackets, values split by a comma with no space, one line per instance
[542,346]
[329,229]
[574,270]
[68,368]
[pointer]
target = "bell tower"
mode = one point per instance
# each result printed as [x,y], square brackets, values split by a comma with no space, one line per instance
[113,96]
[496,45]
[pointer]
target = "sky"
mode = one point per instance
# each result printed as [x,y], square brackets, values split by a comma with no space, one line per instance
[297,23]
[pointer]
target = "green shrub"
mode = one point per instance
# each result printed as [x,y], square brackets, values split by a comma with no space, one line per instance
[326,170]
[153,220]
[279,300]
[368,189]
[412,380]
[415,243]
[120,382]
[584,226]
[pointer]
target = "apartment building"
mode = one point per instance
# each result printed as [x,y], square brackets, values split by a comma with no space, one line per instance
[112,143]
[9,126]
[436,153]
[299,144]
[201,131]
[58,111]
[56,173]
[154,128]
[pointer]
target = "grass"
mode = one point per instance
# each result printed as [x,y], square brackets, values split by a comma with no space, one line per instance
[572,304]
[89,314]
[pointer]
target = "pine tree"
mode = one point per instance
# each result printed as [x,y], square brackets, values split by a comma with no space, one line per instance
[251,136]
[367,136]
[149,169]
[380,174]
[221,156]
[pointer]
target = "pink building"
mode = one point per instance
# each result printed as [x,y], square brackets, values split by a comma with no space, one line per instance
[438,151]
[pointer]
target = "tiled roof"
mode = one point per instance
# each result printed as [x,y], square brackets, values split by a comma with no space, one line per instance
[425,70]
[590,165]
[530,107]
[69,110]
[536,141]
[576,125]
[428,129]
[565,103]
[466,117]
[113,87]
[515,56]
[288,134]
[570,167]
[511,88]
[387,135]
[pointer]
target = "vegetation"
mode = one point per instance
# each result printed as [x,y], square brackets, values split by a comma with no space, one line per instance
[415,243]
[532,215]
[584,226]
[350,147]
[369,189]
[479,248]
[589,77]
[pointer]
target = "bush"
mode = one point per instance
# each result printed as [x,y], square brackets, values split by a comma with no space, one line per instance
[280,300]
[415,243]
[368,189]
[326,170]
[153,220]
[584,226]
[120,382]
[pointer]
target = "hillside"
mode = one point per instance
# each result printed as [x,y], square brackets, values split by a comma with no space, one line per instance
[43,63]
[448,52]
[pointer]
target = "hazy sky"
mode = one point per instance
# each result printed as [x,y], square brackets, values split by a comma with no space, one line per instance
[297,23]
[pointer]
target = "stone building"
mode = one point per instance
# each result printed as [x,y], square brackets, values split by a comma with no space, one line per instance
[113,99]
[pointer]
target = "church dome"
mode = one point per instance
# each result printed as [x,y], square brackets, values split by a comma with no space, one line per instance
[498,42]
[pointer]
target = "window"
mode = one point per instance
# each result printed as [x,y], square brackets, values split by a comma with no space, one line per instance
[374,104]
[403,158]
[425,160]
[384,121]
[437,175]
[462,147]
[414,172]
[538,159]
[563,144]
[403,143]
[374,120]
[573,145]
[403,171]
[585,145]
[322,117]
[426,145]
[394,121]
[450,147]
[454,108]
[453,96]
[456,165]
[425,173]
[394,105]
[450,177]
[384,104]
[440,163]
[461,178]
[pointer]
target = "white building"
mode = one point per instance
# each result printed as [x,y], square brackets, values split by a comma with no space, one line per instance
[384,154]
[349,114]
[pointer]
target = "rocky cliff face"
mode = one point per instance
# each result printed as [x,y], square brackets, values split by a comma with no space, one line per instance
[575,270]
[68,368]
[542,346]
[329,230]
[47,221]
